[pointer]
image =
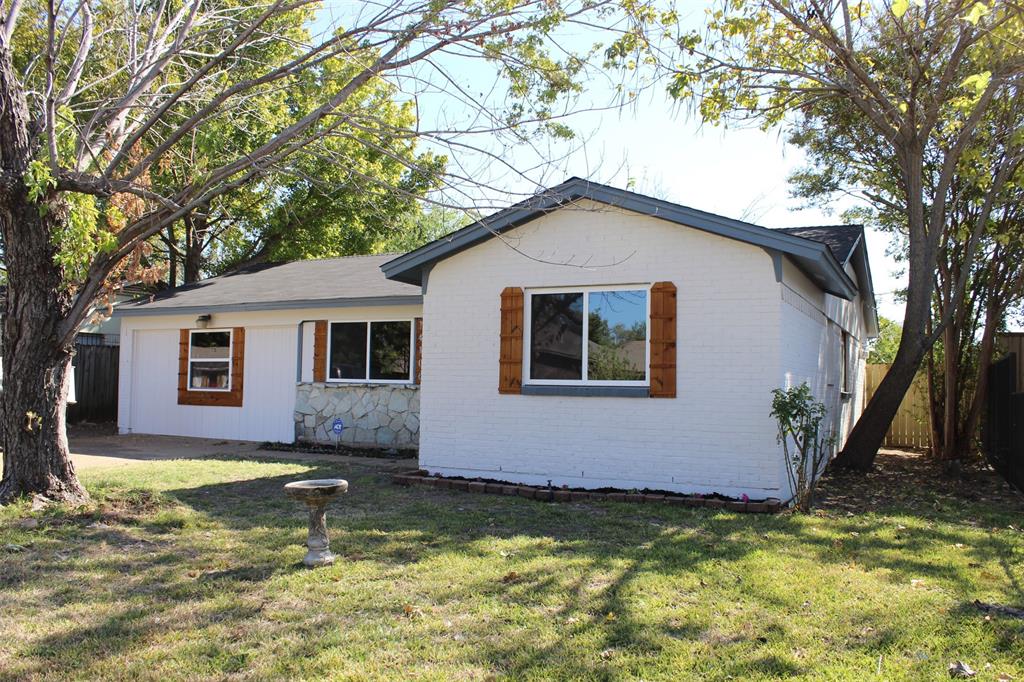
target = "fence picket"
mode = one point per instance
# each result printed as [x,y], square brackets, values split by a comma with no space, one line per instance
[95,384]
[910,428]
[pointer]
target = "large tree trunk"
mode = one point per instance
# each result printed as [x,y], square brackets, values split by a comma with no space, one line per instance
[36,360]
[993,315]
[868,433]
[196,229]
[950,395]
[172,258]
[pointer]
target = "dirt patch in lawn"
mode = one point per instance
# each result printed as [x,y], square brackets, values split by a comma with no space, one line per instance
[913,480]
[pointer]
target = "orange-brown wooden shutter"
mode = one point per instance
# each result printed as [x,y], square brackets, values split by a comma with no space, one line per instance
[663,340]
[232,398]
[237,366]
[419,348]
[320,351]
[183,342]
[510,359]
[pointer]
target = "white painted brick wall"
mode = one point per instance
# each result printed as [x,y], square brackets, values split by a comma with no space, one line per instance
[812,325]
[716,436]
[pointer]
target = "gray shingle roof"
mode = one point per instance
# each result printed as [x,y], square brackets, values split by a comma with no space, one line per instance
[349,281]
[840,239]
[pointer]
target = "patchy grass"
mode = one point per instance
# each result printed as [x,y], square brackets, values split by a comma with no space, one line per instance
[190,569]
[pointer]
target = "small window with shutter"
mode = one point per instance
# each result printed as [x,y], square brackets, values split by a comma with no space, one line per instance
[210,367]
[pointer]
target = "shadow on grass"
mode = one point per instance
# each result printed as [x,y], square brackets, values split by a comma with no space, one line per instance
[612,549]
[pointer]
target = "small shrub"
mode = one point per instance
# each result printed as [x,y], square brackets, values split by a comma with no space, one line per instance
[799,417]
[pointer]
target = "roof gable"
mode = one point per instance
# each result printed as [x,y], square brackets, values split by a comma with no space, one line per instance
[840,239]
[814,257]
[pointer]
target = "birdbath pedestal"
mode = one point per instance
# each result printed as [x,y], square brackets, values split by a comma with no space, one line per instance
[316,495]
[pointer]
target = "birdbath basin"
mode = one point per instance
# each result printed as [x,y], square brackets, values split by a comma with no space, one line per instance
[316,494]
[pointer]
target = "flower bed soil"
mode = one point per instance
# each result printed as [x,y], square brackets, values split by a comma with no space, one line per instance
[550,494]
[345,450]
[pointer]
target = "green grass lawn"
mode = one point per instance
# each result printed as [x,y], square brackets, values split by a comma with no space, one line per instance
[190,569]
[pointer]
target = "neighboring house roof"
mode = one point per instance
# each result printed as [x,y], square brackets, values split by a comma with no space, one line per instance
[840,239]
[813,257]
[333,282]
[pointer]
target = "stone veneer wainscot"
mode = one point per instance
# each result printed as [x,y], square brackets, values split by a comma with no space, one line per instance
[384,415]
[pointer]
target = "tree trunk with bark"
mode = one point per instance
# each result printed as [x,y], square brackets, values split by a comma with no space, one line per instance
[196,230]
[36,360]
[868,433]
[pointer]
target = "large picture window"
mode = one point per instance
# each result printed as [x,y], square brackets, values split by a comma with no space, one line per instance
[209,360]
[594,335]
[370,351]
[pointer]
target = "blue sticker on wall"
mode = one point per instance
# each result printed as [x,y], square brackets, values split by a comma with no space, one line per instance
[338,426]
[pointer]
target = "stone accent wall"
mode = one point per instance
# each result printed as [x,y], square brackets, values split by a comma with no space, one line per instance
[383,415]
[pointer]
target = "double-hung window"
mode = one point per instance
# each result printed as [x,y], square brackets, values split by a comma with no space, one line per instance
[370,351]
[592,335]
[209,360]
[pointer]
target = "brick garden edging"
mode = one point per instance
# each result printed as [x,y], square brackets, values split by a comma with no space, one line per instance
[421,477]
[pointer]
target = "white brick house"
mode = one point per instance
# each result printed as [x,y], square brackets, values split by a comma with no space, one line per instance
[554,349]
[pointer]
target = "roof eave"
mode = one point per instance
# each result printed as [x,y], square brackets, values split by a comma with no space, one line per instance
[815,256]
[130,310]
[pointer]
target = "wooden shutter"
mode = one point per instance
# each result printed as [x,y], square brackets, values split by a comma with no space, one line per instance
[419,348]
[232,398]
[183,341]
[663,340]
[510,359]
[320,351]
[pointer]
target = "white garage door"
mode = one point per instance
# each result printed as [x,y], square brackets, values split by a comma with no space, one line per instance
[268,401]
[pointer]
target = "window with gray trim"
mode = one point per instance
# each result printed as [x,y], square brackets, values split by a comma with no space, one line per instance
[593,335]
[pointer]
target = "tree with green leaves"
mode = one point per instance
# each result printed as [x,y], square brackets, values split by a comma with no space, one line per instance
[346,194]
[975,276]
[99,99]
[903,88]
[882,349]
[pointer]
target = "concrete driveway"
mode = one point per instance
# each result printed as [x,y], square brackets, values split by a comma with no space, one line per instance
[89,450]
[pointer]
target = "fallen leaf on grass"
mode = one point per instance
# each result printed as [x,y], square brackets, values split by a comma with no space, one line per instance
[510,577]
[960,670]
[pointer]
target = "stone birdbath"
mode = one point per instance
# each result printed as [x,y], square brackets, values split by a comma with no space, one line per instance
[316,495]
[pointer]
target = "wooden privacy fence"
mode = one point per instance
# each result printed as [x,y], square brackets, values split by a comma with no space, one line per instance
[1003,431]
[910,428]
[95,384]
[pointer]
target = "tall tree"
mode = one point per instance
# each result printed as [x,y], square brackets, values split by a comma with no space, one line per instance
[914,80]
[342,195]
[975,277]
[111,91]
[883,349]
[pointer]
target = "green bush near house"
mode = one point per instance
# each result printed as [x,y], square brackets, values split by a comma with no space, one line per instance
[190,570]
